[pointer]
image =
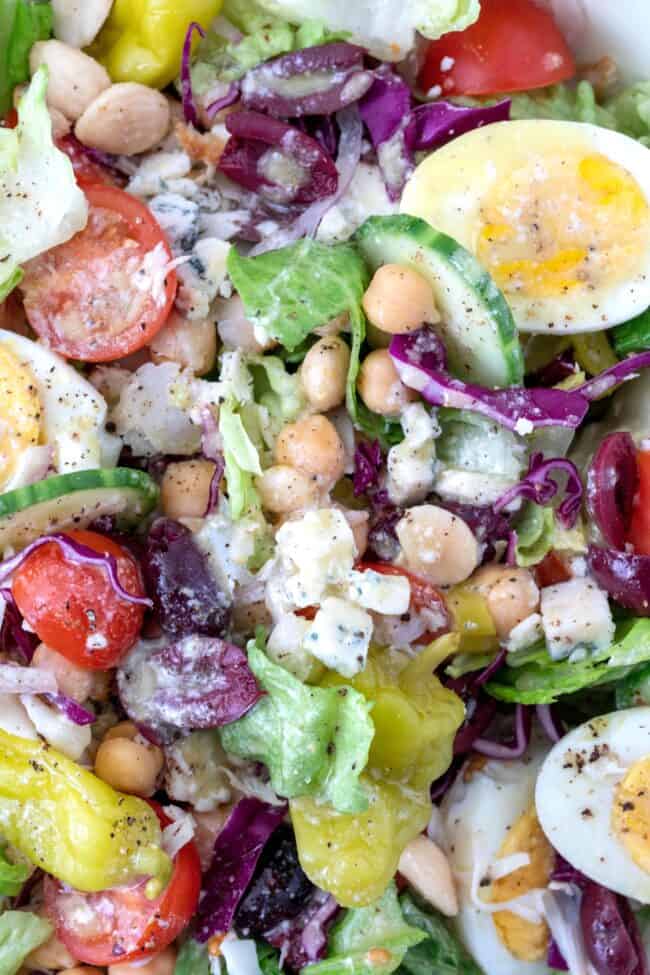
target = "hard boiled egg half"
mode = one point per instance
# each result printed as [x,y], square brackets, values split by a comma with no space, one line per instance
[501,863]
[557,212]
[51,419]
[593,800]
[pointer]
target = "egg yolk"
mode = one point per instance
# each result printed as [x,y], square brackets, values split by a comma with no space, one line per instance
[631,813]
[20,413]
[564,223]
[526,940]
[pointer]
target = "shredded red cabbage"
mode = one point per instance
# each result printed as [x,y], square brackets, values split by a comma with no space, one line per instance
[237,849]
[612,482]
[436,123]
[511,550]
[555,371]
[277,160]
[555,958]
[211,450]
[540,487]
[622,372]
[187,96]
[70,708]
[368,460]
[229,97]
[551,725]
[492,749]
[385,111]
[518,409]
[488,526]
[13,637]
[80,554]
[303,939]
[625,577]
[317,80]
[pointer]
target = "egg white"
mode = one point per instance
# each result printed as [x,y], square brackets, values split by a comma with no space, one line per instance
[477,816]
[453,185]
[575,794]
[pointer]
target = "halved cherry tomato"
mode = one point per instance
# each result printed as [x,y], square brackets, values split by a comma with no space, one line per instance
[73,607]
[87,172]
[424,595]
[95,298]
[639,533]
[551,570]
[122,925]
[513,46]
[10,121]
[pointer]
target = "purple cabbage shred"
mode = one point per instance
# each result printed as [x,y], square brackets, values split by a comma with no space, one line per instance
[187,95]
[368,460]
[540,487]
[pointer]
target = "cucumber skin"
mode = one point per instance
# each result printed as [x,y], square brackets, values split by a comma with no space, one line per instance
[59,484]
[422,235]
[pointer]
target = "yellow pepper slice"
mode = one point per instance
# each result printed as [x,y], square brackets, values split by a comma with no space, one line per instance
[142,40]
[73,825]
[593,352]
[472,620]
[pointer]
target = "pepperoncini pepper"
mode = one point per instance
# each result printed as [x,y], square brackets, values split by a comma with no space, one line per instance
[355,855]
[472,620]
[73,825]
[142,40]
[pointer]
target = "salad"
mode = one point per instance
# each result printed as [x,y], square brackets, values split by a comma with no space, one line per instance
[324,488]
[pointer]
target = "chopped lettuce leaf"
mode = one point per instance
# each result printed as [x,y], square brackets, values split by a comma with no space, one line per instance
[22,23]
[20,933]
[12,875]
[376,427]
[440,953]
[40,203]
[535,533]
[268,959]
[380,926]
[291,291]
[386,27]
[241,460]
[534,678]
[314,741]
[632,336]
[193,959]
[276,391]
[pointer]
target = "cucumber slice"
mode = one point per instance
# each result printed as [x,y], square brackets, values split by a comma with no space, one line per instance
[74,501]
[477,326]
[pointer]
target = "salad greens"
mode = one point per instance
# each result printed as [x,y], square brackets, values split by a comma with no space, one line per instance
[313,740]
[369,940]
[192,959]
[440,953]
[241,462]
[22,23]
[40,203]
[20,933]
[632,336]
[12,875]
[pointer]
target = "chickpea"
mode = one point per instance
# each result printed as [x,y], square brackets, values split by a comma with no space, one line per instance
[437,545]
[399,300]
[52,954]
[284,489]
[162,964]
[185,488]
[313,446]
[73,681]
[128,765]
[511,595]
[192,344]
[380,387]
[324,373]
[359,523]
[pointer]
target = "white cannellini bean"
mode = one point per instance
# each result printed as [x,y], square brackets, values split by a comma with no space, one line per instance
[427,870]
[126,119]
[60,124]
[511,594]
[437,545]
[75,79]
[78,22]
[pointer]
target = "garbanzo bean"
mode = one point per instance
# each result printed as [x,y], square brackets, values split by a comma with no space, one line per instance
[185,488]
[511,595]
[192,344]
[73,681]
[437,545]
[284,489]
[399,300]
[313,446]
[129,766]
[324,372]
[380,387]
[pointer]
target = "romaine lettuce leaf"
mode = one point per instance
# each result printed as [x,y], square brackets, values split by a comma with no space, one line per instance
[440,953]
[20,933]
[22,23]
[535,532]
[314,741]
[40,203]
[241,460]
[388,432]
[12,875]
[380,926]
[193,959]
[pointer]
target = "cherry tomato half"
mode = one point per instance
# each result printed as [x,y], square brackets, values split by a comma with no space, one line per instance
[122,925]
[74,609]
[424,595]
[87,172]
[639,533]
[513,46]
[551,570]
[93,298]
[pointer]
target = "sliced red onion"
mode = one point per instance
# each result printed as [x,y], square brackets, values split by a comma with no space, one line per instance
[612,482]
[518,409]
[511,550]
[436,123]
[555,958]
[623,371]
[540,487]
[303,939]
[80,554]
[187,96]
[488,673]
[229,97]
[211,450]
[480,713]
[317,80]
[71,709]
[625,577]
[551,726]
[15,679]
[276,160]
[523,724]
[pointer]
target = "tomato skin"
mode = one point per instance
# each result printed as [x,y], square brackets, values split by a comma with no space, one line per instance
[513,46]
[639,532]
[551,570]
[66,603]
[87,172]
[424,595]
[82,298]
[145,927]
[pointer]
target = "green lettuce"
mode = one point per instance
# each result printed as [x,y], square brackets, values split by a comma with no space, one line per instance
[533,677]
[241,460]
[313,740]
[277,391]
[535,532]
[12,875]
[440,953]
[40,203]
[375,426]
[380,926]
[20,933]
[193,959]
[22,23]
